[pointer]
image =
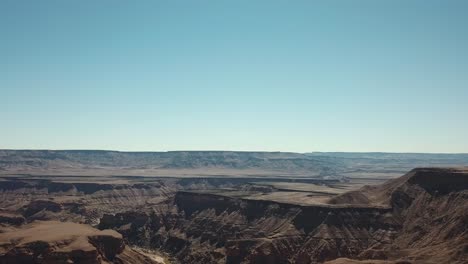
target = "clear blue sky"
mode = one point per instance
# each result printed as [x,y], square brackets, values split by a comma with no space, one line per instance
[235,75]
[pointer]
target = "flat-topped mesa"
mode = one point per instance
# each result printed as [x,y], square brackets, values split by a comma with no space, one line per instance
[49,187]
[65,242]
[440,181]
[431,180]
[191,201]
[304,217]
[68,162]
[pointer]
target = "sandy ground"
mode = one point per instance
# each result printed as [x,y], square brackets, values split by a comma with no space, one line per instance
[75,235]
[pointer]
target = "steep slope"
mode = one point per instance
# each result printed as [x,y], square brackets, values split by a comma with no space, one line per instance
[432,180]
[432,206]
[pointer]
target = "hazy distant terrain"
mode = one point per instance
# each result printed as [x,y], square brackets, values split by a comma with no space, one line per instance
[220,163]
[380,164]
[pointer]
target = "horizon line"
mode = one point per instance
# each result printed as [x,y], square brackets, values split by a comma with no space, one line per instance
[251,151]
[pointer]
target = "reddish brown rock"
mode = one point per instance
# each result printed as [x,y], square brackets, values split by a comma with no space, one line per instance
[60,242]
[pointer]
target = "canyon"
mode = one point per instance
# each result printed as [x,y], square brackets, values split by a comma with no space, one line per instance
[326,216]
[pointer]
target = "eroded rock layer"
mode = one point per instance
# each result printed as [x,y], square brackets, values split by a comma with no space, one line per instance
[421,217]
[407,219]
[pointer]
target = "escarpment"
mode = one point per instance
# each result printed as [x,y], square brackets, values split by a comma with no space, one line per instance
[208,228]
[406,219]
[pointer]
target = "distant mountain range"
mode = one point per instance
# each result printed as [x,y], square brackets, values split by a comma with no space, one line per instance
[208,163]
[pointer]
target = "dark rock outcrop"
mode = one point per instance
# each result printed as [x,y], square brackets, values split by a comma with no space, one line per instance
[11,219]
[40,205]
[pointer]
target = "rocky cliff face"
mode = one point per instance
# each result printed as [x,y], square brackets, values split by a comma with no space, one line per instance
[78,202]
[421,218]
[433,206]
[207,228]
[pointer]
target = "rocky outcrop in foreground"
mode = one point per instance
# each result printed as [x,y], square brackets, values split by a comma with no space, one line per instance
[64,242]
